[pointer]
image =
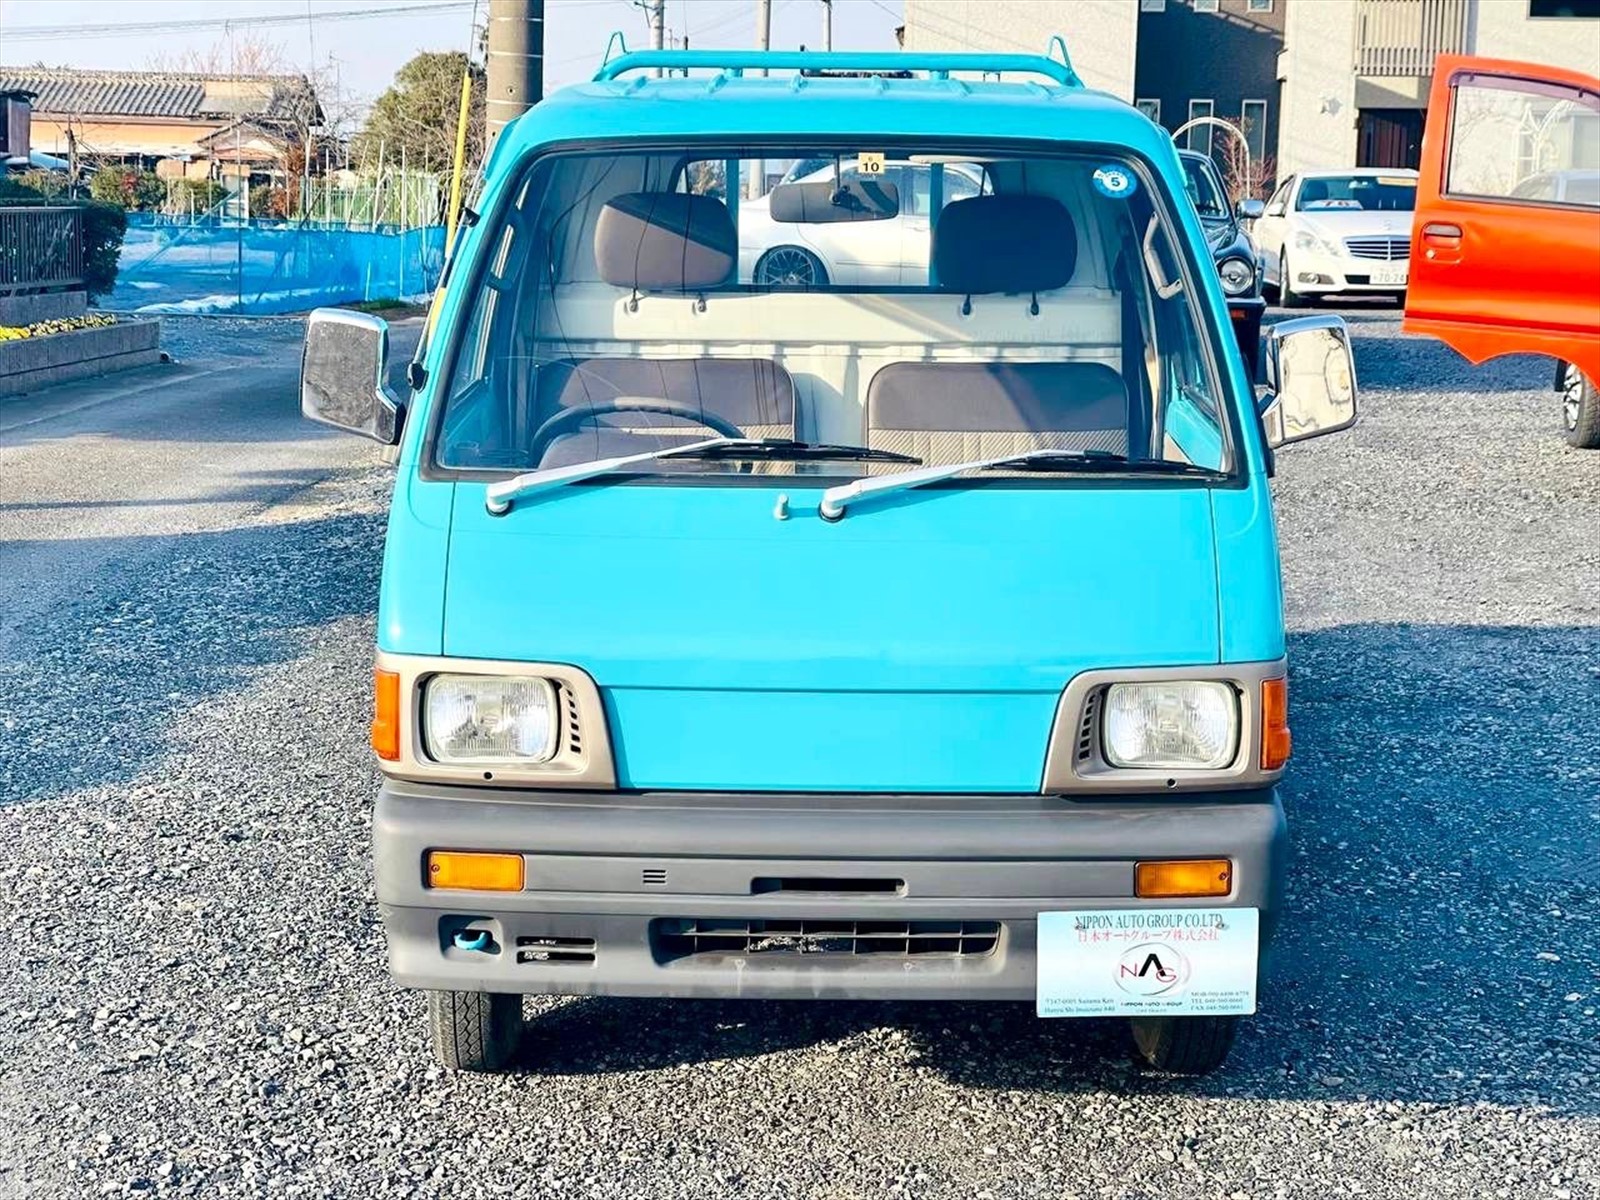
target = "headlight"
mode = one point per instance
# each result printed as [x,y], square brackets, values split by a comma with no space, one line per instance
[1163,725]
[1238,275]
[1306,240]
[489,719]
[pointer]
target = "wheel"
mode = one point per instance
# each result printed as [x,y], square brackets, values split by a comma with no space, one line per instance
[1184,1045]
[1287,296]
[791,266]
[474,1031]
[1580,409]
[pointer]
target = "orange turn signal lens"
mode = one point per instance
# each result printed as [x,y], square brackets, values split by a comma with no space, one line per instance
[1184,877]
[474,871]
[1275,740]
[386,715]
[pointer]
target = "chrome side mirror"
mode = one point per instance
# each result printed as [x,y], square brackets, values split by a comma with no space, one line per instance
[1250,210]
[1311,380]
[342,371]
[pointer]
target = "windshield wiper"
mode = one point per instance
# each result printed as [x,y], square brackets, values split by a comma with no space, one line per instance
[788,448]
[499,497]
[837,499]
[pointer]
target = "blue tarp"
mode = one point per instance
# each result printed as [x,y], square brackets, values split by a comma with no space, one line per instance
[269,267]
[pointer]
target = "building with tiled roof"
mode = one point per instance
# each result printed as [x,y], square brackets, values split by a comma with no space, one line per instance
[162,119]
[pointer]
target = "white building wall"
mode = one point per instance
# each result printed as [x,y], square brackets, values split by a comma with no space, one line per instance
[1503,29]
[1317,121]
[1317,117]
[1100,34]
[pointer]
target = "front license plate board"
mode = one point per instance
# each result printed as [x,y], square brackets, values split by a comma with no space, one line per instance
[1147,962]
[1389,276]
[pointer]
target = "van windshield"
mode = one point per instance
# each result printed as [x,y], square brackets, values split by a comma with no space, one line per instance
[927,307]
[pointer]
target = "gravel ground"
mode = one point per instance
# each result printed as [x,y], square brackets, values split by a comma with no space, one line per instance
[192,998]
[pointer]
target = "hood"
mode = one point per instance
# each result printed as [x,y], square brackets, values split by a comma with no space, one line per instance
[920,644]
[1336,223]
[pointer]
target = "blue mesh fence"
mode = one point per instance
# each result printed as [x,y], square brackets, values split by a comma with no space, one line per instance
[263,267]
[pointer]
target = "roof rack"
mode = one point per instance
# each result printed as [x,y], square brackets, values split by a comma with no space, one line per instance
[938,66]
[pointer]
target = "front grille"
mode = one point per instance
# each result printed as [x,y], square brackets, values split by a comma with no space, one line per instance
[1384,249]
[692,937]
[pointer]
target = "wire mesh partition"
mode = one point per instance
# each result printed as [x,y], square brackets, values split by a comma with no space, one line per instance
[260,268]
[40,247]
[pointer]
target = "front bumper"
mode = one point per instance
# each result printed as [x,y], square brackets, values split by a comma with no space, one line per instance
[611,878]
[1326,274]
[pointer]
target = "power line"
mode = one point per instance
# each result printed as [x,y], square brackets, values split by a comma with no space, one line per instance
[39,33]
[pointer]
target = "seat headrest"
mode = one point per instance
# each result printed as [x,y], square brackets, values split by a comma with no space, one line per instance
[1005,244]
[665,241]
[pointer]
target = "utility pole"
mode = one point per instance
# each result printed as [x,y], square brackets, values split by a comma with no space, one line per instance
[516,61]
[657,10]
[827,24]
[758,176]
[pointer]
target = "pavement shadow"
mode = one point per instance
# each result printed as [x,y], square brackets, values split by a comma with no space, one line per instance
[188,617]
[1443,812]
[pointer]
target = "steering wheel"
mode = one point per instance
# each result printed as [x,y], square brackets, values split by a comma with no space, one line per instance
[570,418]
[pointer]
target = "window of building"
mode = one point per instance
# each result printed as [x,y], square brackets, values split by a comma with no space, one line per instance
[1205,5]
[1259,6]
[1150,108]
[1152,5]
[1253,115]
[1518,138]
[1564,8]
[1199,138]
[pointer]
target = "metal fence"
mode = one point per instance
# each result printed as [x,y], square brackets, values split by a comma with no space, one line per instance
[40,248]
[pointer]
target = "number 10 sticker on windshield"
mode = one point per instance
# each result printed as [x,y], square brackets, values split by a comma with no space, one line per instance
[1116,182]
[869,163]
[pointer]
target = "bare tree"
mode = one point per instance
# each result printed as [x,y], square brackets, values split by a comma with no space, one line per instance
[245,54]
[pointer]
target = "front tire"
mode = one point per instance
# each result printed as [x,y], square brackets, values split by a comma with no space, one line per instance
[474,1031]
[1580,409]
[790,267]
[1184,1045]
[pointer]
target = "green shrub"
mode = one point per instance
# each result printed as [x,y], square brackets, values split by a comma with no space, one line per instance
[201,195]
[128,188]
[103,228]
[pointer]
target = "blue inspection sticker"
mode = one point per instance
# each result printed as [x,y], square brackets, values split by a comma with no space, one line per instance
[1115,182]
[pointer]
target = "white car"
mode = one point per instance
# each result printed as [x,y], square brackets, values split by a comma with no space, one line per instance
[1327,232]
[887,253]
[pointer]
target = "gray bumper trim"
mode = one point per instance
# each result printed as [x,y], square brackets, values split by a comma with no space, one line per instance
[995,858]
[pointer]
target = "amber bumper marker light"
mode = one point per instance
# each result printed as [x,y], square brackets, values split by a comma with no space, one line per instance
[1275,740]
[386,715]
[468,870]
[1183,878]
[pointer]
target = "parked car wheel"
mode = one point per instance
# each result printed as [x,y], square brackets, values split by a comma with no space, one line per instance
[1287,296]
[790,266]
[474,1031]
[1184,1045]
[1580,408]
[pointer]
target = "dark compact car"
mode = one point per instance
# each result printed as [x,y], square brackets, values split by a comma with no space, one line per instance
[1238,263]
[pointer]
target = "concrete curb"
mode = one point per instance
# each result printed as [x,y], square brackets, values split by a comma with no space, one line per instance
[29,364]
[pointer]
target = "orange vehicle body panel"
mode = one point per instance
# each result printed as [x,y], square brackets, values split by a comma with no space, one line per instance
[1492,276]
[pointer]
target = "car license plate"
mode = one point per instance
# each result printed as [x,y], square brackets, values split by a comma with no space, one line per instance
[1390,276]
[1147,962]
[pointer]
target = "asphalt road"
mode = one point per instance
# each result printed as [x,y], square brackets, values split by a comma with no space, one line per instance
[192,996]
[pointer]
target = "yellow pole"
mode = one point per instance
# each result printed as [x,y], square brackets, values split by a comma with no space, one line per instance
[461,154]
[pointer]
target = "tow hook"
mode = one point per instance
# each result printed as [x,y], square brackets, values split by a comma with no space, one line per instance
[472,939]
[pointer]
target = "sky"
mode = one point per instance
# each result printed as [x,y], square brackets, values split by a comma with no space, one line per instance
[366,51]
